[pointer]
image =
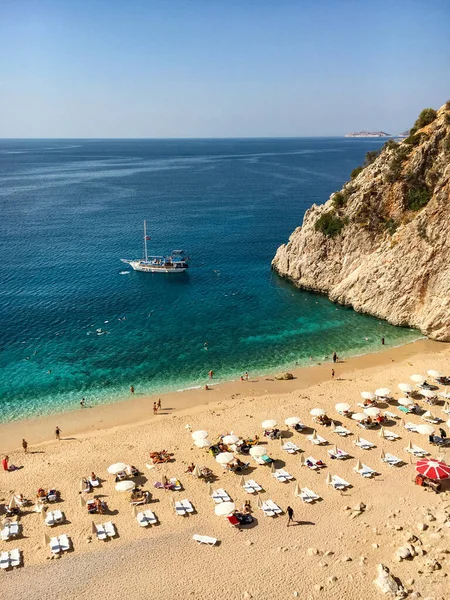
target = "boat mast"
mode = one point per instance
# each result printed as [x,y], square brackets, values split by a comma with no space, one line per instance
[145,241]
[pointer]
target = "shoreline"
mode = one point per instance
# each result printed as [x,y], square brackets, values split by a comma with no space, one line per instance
[138,409]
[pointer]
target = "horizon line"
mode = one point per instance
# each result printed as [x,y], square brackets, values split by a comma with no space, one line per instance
[259,137]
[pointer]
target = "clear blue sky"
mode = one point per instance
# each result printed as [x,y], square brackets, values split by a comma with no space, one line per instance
[219,68]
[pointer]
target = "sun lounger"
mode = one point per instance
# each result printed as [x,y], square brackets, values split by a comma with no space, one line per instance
[342,431]
[10,559]
[4,560]
[291,448]
[390,415]
[392,460]
[365,471]
[311,463]
[146,518]
[251,487]
[60,543]
[417,451]
[282,475]
[404,409]
[94,482]
[432,420]
[183,507]
[340,454]
[109,529]
[54,517]
[204,539]
[338,483]
[271,509]
[101,533]
[52,497]
[364,444]
[308,495]
[411,427]
[318,440]
[10,530]
[179,508]
[390,435]
[220,496]
[176,484]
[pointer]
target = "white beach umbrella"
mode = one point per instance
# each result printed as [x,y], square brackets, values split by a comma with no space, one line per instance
[405,401]
[317,412]
[372,411]
[12,503]
[259,502]
[302,460]
[417,378]
[290,421]
[427,393]
[125,486]
[428,415]
[358,465]
[202,443]
[382,455]
[405,387]
[224,509]
[116,468]
[272,467]
[382,392]
[196,472]
[435,374]
[297,490]
[269,424]
[230,439]
[445,407]
[328,479]
[381,432]
[425,429]
[314,435]
[409,446]
[342,407]
[256,451]
[333,425]
[358,416]
[199,435]
[368,395]
[224,458]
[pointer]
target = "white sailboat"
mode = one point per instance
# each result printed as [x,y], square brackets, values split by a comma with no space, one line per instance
[177,262]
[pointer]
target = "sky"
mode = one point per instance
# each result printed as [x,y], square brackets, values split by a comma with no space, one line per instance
[219,68]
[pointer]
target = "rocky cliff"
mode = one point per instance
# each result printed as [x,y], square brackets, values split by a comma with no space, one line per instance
[382,244]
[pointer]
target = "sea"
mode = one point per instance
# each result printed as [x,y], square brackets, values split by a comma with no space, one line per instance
[77,322]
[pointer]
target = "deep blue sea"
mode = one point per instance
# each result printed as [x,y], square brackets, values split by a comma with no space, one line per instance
[71,209]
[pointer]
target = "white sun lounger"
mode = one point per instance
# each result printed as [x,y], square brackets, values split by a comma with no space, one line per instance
[53,517]
[290,448]
[251,487]
[109,529]
[391,460]
[10,559]
[101,533]
[390,415]
[318,441]
[411,427]
[342,431]
[179,508]
[94,482]
[220,495]
[272,506]
[187,506]
[60,543]
[10,530]
[338,483]
[433,420]
[204,539]
[145,518]
[282,475]
[391,435]
[312,460]
[417,451]
[183,507]
[308,495]
[365,471]
[340,454]
[364,444]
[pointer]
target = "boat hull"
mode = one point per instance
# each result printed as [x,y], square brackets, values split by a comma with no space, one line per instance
[137,265]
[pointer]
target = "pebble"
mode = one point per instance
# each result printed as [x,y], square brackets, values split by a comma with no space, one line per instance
[422,526]
[312,551]
[346,559]
[318,587]
[249,543]
[332,579]
[375,546]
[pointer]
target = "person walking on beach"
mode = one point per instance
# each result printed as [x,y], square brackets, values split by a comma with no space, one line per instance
[332,373]
[5,462]
[132,389]
[211,374]
[25,446]
[290,513]
[382,341]
[159,404]
[334,357]
[58,433]
[246,376]
[155,408]
[82,403]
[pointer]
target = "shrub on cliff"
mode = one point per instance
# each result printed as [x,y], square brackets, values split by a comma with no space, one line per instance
[426,117]
[417,197]
[356,172]
[371,156]
[329,224]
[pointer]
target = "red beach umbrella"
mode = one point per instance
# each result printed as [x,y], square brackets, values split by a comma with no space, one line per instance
[432,468]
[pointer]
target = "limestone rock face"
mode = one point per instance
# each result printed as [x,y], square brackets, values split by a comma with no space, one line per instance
[390,259]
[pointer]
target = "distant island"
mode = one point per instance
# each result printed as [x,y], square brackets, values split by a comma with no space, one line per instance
[376,134]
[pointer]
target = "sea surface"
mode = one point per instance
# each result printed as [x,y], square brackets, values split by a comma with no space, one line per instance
[71,209]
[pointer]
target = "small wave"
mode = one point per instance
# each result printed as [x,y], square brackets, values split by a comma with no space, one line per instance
[194,387]
[124,273]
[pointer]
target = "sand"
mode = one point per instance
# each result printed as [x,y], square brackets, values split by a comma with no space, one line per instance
[328,554]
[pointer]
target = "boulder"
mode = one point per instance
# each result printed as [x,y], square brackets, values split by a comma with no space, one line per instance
[387,584]
[284,376]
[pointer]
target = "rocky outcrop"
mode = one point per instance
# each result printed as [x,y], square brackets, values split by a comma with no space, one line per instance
[382,244]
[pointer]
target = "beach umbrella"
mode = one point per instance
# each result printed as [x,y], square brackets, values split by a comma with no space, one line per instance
[358,465]
[269,424]
[196,472]
[435,374]
[382,455]
[382,392]
[314,435]
[259,501]
[202,443]
[333,425]
[256,451]
[427,393]
[405,401]
[297,490]
[272,467]
[302,460]
[135,511]
[93,528]
[210,490]
[357,440]
[82,485]
[317,412]
[12,503]
[172,502]
[224,509]
[425,429]
[46,540]
[82,502]
[43,513]
[402,422]
[281,440]
[381,433]
[201,434]
[428,415]
[432,468]
[445,408]
[405,387]
[116,468]
[290,421]
[230,439]
[417,378]
[342,407]
[358,416]
[125,486]
[224,458]
[242,481]
[409,446]
[328,480]
[372,411]
[368,395]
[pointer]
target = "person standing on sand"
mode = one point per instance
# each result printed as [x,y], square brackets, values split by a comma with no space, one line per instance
[159,404]
[211,374]
[82,403]
[132,389]
[155,408]
[25,446]
[5,462]
[332,373]
[290,513]
[382,341]
[58,433]
[246,376]
[334,357]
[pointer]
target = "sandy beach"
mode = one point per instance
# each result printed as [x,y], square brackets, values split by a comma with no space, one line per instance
[330,552]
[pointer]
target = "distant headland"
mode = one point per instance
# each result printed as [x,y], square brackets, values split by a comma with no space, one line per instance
[376,134]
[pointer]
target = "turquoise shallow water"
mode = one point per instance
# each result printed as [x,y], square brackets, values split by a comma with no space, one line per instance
[71,209]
